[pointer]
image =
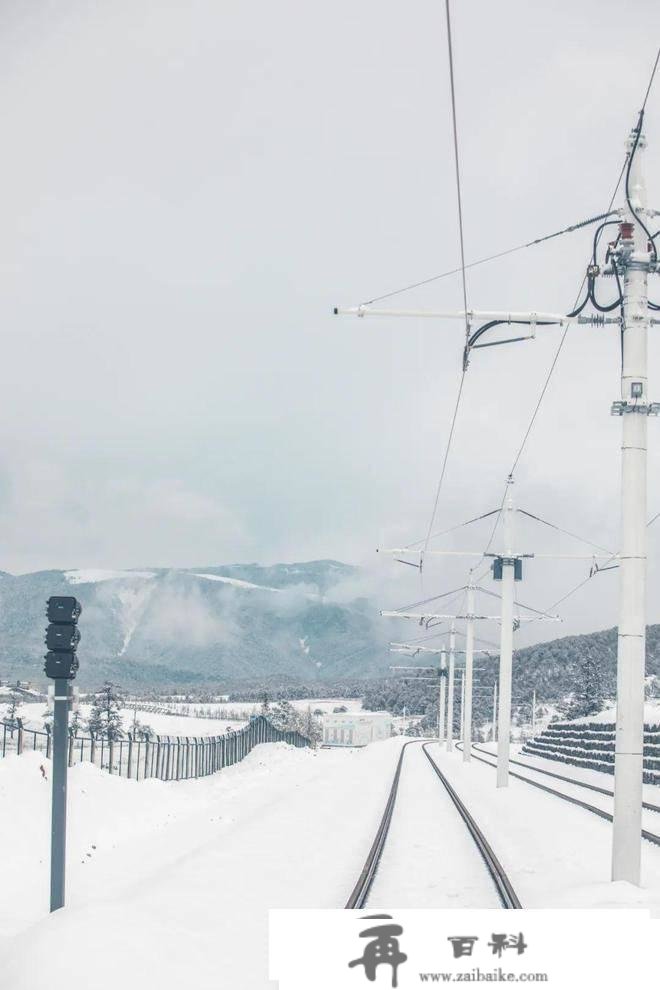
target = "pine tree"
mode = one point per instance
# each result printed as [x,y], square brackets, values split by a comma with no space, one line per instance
[312,727]
[284,716]
[588,697]
[105,717]
[14,703]
[265,709]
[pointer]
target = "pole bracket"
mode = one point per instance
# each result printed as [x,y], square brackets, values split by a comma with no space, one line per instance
[620,407]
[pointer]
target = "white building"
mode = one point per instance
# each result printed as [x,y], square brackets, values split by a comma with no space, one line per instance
[356,728]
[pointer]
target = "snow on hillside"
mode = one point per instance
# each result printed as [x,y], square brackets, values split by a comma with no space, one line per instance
[608,716]
[94,575]
[237,583]
[179,877]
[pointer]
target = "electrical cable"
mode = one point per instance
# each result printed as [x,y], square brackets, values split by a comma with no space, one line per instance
[444,468]
[452,529]
[638,134]
[566,532]
[457,165]
[435,598]
[488,258]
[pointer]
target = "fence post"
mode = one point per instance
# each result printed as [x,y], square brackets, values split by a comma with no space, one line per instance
[19,741]
[111,753]
[71,738]
[146,757]
[130,755]
[47,727]
[157,757]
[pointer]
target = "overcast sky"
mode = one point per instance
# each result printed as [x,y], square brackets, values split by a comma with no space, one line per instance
[188,188]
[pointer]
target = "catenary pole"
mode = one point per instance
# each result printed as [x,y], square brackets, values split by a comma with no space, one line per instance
[494,733]
[442,697]
[506,648]
[450,689]
[462,719]
[634,258]
[533,713]
[469,665]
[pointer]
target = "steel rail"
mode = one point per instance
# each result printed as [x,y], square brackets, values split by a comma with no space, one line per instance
[569,780]
[649,836]
[361,890]
[503,885]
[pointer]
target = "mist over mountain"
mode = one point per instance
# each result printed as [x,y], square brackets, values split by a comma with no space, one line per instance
[205,625]
[316,621]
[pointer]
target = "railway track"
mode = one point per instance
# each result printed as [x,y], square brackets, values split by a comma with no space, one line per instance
[503,885]
[558,776]
[646,834]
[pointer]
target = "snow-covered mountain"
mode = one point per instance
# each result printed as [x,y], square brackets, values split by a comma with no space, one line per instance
[206,624]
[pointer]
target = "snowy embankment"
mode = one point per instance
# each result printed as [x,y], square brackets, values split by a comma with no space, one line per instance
[179,876]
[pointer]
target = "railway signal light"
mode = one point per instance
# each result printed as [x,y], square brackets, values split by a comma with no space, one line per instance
[62,637]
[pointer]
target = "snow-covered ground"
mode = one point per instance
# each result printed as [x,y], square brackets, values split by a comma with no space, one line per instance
[247,708]
[556,854]
[179,877]
[429,857]
[165,725]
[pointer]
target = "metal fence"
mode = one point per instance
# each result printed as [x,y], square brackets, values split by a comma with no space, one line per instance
[161,757]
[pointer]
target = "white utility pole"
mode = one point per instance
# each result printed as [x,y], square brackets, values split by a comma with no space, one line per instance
[494,712]
[469,664]
[442,697]
[633,257]
[462,729]
[506,648]
[450,689]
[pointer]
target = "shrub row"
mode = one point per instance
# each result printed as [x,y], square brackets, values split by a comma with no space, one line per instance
[649,776]
[588,760]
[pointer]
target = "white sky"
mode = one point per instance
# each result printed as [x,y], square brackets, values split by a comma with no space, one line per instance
[189,188]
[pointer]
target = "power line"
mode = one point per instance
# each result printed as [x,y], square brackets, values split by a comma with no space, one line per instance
[648,88]
[584,279]
[457,166]
[566,532]
[465,304]
[444,466]
[452,529]
[490,257]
